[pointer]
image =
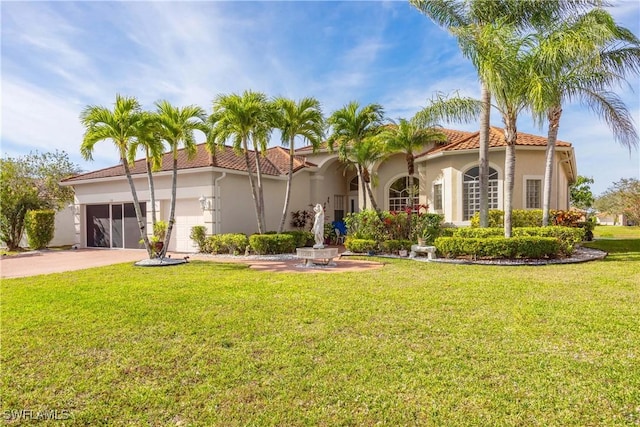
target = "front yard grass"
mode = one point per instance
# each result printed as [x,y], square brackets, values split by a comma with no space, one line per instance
[410,344]
[616,232]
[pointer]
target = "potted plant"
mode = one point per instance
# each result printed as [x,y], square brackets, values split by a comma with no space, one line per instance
[159,234]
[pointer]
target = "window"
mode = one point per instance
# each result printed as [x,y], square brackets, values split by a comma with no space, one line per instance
[339,202]
[533,193]
[353,184]
[437,197]
[404,193]
[471,191]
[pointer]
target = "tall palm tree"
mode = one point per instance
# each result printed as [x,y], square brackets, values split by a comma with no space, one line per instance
[121,126]
[473,16]
[243,119]
[354,130]
[176,126]
[150,142]
[500,54]
[303,118]
[579,59]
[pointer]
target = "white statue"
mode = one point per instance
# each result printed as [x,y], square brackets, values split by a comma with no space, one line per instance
[318,227]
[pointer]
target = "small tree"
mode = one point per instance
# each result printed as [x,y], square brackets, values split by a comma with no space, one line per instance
[622,198]
[31,182]
[580,193]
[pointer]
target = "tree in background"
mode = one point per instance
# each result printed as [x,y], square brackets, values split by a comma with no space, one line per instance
[580,194]
[28,183]
[622,198]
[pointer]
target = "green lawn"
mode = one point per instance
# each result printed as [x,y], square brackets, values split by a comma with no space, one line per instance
[410,344]
[616,232]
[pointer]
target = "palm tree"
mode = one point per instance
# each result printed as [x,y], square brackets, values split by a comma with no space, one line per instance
[242,119]
[501,56]
[153,147]
[122,126]
[407,137]
[303,119]
[472,16]
[176,126]
[354,130]
[581,58]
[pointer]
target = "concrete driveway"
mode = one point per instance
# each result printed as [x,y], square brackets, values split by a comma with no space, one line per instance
[46,261]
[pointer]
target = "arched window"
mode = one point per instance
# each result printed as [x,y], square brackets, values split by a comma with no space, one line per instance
[471,191]
[404,193]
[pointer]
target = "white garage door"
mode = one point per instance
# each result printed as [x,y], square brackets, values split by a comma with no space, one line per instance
[188,214]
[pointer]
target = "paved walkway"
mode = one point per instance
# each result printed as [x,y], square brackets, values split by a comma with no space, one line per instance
[46,262]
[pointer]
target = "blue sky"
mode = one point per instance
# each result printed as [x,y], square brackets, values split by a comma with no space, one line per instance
[58,57]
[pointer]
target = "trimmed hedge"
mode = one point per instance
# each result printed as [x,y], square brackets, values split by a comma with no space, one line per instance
[568,236]
[392,246]
[519,218]
[264,244]
[301,238]
[498,247]
[360,245]
[40,226]
[225,244]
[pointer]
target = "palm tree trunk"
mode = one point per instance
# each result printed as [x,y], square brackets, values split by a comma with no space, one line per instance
[485,118]
[152,195]
[553,116]
[152,190]
[511,136]
[260,191]
[136,207]
[287,193]
[172,211]
[366,178]
[252,183]
[362,187]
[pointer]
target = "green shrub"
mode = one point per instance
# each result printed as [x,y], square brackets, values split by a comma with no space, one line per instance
[519,218]
[199,236]
[213,245]
[234,243]
[426,226]
[229,243]
[264,244]
[499,247]
[360,245]
[390,246]
[393,246]
[40,226]
[365,225]
[567,236]
[302,238]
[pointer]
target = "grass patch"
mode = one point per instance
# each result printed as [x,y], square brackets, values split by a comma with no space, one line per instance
[410,344]
[616,232]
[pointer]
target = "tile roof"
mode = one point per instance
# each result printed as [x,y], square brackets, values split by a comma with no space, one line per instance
[275,163]
[496,139]
[276,160]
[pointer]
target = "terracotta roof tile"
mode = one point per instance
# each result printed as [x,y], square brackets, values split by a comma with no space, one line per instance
[272,164]
[496,139]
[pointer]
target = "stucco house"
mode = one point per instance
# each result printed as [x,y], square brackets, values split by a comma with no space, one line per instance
[214,191]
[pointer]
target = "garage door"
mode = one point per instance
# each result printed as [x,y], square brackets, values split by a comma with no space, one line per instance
[188,214]
[113,225]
